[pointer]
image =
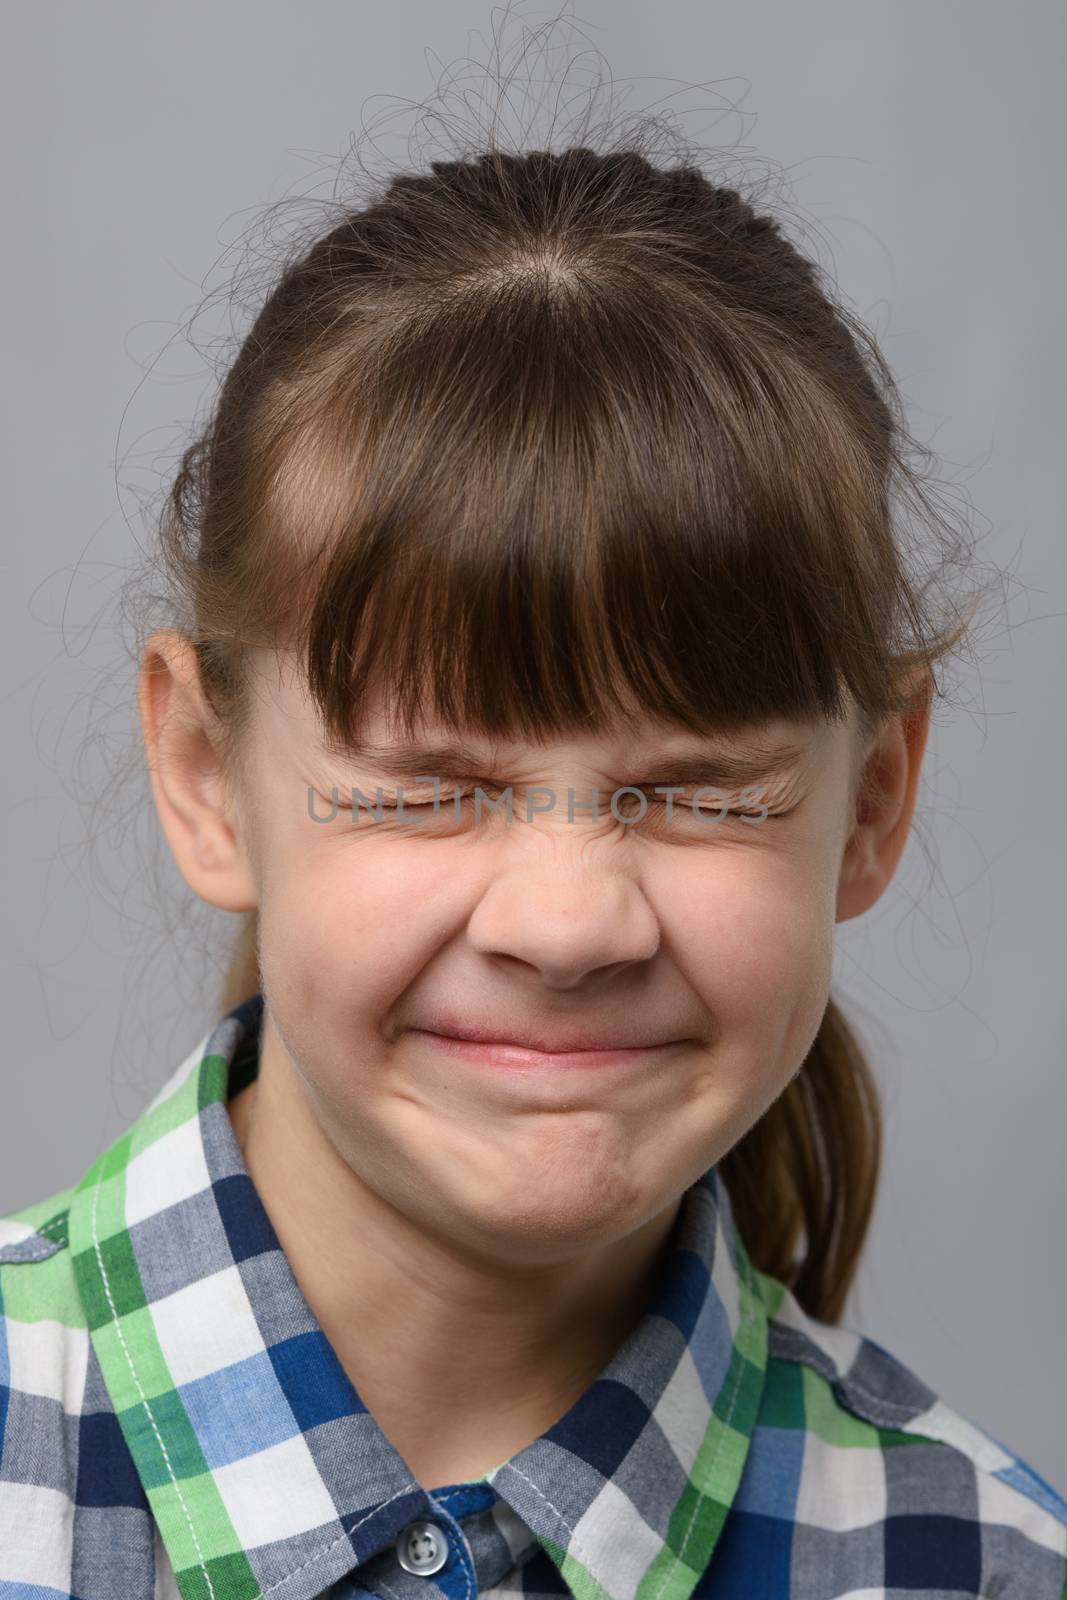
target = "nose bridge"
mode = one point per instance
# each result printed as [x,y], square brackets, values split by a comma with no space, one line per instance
[567,905]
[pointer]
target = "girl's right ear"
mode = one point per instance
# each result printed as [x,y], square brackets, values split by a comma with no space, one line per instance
[183,751]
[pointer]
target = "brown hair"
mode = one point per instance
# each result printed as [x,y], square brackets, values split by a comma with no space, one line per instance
[531,432]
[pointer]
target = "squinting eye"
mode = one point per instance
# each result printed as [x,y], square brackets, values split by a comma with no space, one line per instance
[427,805]
[706,814]
[683,805]
[713,808]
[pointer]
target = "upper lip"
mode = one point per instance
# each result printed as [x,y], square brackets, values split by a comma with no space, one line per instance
[552,1043]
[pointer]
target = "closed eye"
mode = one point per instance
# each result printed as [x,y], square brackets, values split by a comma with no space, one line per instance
[757,810]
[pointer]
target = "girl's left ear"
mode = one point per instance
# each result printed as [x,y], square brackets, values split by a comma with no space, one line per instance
[884,803]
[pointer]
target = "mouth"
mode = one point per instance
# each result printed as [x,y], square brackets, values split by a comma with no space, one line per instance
[480,1047]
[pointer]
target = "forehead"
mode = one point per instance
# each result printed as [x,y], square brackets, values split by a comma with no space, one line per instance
[776,744]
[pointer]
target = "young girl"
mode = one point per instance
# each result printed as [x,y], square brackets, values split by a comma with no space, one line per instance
[549,681]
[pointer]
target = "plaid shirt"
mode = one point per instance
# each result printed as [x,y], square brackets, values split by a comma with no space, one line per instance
[175,1423]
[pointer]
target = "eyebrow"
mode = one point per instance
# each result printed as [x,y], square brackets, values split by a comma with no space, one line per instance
[742,762]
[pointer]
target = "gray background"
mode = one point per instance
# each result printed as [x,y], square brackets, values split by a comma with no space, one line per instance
[922,147]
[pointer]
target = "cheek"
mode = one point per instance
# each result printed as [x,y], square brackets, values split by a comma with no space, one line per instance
[348,923]
[755,942]
[754,937]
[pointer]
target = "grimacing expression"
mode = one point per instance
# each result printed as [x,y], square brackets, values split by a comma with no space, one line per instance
[717,937]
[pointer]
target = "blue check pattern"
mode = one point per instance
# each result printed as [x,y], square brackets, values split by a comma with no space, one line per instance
[174,1424]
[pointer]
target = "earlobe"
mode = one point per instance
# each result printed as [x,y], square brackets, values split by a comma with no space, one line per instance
[183,753]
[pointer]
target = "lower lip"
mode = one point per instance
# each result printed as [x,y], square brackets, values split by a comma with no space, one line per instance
[502,1054]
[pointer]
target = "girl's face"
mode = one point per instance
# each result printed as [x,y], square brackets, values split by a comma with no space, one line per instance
[705,945]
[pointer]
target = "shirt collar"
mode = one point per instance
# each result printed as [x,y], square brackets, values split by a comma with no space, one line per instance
[257,1456]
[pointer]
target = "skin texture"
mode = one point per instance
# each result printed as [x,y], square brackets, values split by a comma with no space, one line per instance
[428,1205]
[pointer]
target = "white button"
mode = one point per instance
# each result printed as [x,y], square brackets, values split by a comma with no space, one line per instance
[422,1547]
